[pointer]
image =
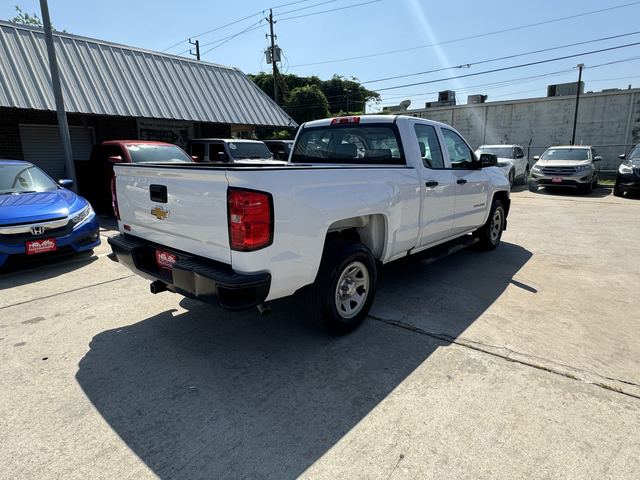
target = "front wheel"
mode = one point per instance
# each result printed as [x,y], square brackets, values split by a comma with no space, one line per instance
[490,234]
[587,188]
[533,186]
[512,177]
[343,292]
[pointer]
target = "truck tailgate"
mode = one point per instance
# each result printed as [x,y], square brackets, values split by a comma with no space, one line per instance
[185,209]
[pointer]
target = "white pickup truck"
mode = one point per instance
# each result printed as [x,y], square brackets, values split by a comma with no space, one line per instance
[357,192]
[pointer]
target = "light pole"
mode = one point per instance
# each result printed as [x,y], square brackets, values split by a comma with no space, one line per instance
[63,126]
[575,115]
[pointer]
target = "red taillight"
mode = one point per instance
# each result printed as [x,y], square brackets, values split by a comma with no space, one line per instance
[343,120]
[250,219]
[114,198]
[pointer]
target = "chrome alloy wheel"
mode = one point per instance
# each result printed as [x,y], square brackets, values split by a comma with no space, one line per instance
[352,290]
[496,226]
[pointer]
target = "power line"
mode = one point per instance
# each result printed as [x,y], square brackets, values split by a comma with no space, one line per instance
[305,8]
[522,65]
[261,12]
[331,10]
[231,37]
[253,27]
[480,35]
[506,57]
[510,82]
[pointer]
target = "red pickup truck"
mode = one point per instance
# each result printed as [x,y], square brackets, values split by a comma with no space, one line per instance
[96,180]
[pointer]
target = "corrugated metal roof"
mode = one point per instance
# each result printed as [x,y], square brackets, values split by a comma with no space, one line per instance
[109,79]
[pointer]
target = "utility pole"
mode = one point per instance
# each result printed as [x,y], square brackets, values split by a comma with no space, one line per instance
[197,44]
[63,126]
[273,56]
[575,115]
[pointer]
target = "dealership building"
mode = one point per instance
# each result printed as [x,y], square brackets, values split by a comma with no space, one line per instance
[114,91]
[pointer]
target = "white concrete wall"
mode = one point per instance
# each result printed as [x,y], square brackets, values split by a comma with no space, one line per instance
[609,121]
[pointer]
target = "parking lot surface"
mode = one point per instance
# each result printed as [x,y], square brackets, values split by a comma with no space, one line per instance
[517,363]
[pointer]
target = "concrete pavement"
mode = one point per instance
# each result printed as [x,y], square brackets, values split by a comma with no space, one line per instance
[473,367]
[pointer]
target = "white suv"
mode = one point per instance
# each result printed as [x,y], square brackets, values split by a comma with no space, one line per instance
[511,160]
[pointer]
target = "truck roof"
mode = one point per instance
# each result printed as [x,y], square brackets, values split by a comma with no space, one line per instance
[364,119]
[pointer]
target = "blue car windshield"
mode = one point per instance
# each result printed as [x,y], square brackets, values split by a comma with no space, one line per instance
[23,178]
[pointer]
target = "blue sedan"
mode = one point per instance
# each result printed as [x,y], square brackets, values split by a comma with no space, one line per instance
[39,216]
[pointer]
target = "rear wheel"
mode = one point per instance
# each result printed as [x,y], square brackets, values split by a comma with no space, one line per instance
[343,292]
[490,234]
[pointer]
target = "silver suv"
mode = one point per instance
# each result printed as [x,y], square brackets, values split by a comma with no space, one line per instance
[574,167]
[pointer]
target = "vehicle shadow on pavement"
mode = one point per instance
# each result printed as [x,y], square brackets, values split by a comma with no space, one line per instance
[599,192]
[210,394]
[18,274]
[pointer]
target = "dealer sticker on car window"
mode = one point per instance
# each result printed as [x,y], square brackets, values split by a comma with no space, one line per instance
[232,146]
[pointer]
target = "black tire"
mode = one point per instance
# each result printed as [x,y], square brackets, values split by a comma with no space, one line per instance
[490,233]
[587,188]
[533,187]
[324,301]
[595,181]
[512,177]
[524,179]
[618,192]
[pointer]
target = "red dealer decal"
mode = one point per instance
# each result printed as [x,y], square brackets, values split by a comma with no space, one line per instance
[41,246]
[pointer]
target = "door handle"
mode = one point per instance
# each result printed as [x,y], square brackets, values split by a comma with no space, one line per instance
[431,184]
[461,181]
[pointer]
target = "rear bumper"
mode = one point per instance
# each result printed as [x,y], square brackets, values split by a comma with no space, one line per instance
[193,276]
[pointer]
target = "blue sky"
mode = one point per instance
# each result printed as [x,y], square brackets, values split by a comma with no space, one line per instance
[381,26]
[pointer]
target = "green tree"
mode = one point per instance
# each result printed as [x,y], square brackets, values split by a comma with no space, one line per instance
[307,103]
[24,18]
[344,95]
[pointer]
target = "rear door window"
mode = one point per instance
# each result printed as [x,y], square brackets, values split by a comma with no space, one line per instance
[371,144]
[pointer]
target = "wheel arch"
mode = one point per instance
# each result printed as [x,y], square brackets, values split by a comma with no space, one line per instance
[370,230]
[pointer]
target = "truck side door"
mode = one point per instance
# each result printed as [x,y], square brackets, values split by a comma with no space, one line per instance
[438,189]
[472,184]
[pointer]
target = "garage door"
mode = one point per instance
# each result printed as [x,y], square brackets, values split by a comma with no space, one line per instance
[41,146]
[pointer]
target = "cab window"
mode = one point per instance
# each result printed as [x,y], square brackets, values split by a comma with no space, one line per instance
[460,154]
[430,150]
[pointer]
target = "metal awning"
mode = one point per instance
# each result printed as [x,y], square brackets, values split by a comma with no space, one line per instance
[104,78]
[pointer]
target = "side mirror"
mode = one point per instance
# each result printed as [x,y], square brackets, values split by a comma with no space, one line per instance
[195,158]
[597,158]
[622,157]
[488,160]
[65,182]
[222,157]
[115,159]
[536,157]
[519,155]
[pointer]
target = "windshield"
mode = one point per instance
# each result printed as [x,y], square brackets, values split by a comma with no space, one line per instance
[242,150]
[566,154]
[635,154]
[24,178]
[157,154]
[502,152]
[370,144]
